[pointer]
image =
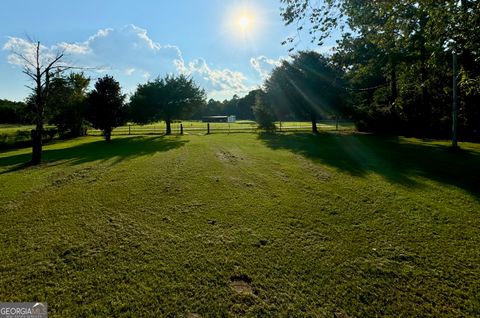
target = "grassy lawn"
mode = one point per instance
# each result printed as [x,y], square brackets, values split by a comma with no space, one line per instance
[249,225]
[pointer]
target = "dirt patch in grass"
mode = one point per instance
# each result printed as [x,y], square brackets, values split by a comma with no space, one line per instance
[340,314]
[88,174]
[282,175]
[314,170]
[228,157]
[241,284]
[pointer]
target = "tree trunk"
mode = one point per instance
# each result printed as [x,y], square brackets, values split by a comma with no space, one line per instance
[39,109]
[169,128]
[108,135]
[455,102]
[37,145]
[425,118]
[393,83]
[314,124]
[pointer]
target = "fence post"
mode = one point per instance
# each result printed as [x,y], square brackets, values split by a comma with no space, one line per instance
[208,128]
[181,129]
[336,126]
[129,131]
[280,126]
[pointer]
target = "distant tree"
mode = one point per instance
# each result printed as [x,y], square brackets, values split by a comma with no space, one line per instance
[212,107]
[169,98]
[241,107]
[40,68]
[264,114]
[245,105]
[12,112]
[67,104]
[230,106]
[105,106]
[310,86]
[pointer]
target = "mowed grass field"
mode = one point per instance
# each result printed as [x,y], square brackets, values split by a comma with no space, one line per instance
[286,225]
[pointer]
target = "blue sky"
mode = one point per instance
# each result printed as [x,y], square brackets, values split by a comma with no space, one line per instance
[139,40]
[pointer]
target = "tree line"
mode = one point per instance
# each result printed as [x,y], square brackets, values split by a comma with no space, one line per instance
[398,61]
[305,88]
[12,112]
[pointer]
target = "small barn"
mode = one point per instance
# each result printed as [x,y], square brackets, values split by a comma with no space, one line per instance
[215,119]
[219,119]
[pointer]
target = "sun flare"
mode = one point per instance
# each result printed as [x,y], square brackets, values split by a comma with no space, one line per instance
[244,22]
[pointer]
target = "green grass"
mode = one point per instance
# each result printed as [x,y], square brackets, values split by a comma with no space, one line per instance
[13,128]
[306,225]
[11,134]
[14,136]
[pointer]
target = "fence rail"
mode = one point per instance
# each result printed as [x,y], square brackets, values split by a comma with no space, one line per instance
[211,128]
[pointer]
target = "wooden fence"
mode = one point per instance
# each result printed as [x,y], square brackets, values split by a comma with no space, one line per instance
[198,128]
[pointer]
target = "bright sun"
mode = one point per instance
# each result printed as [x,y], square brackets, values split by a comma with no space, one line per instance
[244,22]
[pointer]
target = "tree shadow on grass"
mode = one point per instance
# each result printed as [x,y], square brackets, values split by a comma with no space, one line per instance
[397,160]
[119,150]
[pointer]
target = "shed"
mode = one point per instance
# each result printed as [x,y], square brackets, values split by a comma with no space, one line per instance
[215,119]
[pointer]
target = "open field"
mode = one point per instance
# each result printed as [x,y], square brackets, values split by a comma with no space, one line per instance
[12,136]
[13,128]
[243,225]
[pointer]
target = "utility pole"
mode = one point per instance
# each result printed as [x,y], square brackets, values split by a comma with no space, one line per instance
[463,4]
[455,101]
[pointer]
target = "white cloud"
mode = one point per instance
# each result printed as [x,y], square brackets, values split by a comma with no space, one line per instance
[218,81]
[23,48]
[129,71]
[129,52]
[74,48]
[264,65]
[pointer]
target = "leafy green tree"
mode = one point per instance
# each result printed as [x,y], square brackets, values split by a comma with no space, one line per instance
[105,106]
[245,105]
[230,107]
[264,114]
[67,103]
[169,98]
[310,86]
[398,59]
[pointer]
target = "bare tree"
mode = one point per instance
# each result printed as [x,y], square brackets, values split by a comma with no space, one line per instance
[41,68]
